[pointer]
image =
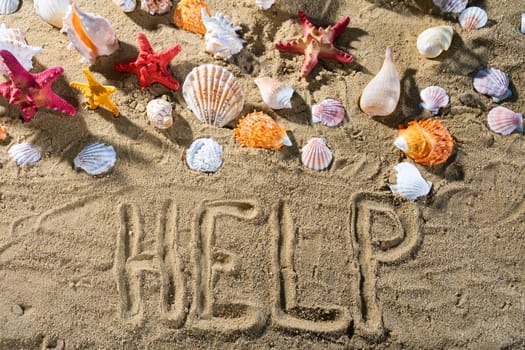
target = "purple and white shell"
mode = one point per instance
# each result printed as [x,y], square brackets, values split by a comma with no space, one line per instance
[455,6]
[316,155]
[492,82]
[433,98]
[330,112]
[504,121]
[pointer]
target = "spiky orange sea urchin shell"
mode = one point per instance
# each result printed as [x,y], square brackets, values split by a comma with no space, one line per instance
[187,15]
[259,130]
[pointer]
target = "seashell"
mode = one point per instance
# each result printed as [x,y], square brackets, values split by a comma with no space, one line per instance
[504,121]
[213,94]
[455,6]
[3,134]
[381,95]
[13,41]
[330,112]
[90,34]
[275,94]
[25,153]
[492,82]
[221,36]
[264,4]
[433,41]
[96,159]
[204,155]
[426,141]
[126,5]
[433,98]
[410,184]
[187,15]
[155,7]
[522,29]
[259,130]
[8,6]
[316,155]
[159,112]
[473,18]
[52,11]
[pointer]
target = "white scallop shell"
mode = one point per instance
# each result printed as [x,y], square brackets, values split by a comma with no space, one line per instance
[433,98]
[455,6]
[159,112]
[25,153]
[433,41]
[504,121]
[522,29]
[126,5]
[275,94]
[96,159]
[221,37]
[473,18]
[492,82]
[213,94]
[155,7]
[204,155]
[52,11]
[264,4]
[316,155]
[8,6]
[410,183]
[330,112]
[13,41]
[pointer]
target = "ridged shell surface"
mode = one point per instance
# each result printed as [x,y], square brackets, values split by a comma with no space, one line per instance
[433,98]
[522,28]
[155,7]
[410,184]
[126,5]
[96,159]
[473,18]
[8,6]
[492,82]
[52,11]
[504,121]
[213,94]
[222,40]
[259,130]
[204,155]
[187,15]
[159,112]
[433,41]
[316,155]
[25,153]
[455,6]
[13,41]
[264,4]
[276,94]
[330,112]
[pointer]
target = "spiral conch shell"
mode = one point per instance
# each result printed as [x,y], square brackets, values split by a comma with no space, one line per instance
[381,95]
[433,41]
[259,130]
[187,15]
[222,40]
[159,112]
[13,41]
[275,94]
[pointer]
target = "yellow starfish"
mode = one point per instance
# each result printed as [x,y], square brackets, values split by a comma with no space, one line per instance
[96,93]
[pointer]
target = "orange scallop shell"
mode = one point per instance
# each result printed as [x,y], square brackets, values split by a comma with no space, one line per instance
[3,134]
[428,141]
[188,16]
[259,130]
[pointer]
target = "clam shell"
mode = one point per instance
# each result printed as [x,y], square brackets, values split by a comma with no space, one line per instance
[275,94]
[455,6]
[410,184]
[504,121]
[433,41]
[126,5]
[204,155]
[25,153]
[433,98]
[329,112]
[522,28]
[187,15]
[221,37]
[155,7]
[316,155]
[13,41]
[264,4]
[473,18]
[52,11]
[213,94]
[259,130]
[492,82]
[159,112]
[8,6]
[96,159]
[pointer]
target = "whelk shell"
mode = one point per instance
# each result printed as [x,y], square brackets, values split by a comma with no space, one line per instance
[204,155]
[25,153]
[8,6]
[159,112]
[126,5]
[504,121]
[264,4]
[259,130]
[433,98]
[330,112]
[316,155]
[187,15]
[96,159]
[275,94]
[52,11]
[222,40]
[13,41]
[492,82]
[455,6]
[155,7]
[410,184]
[473,18]
[433,41]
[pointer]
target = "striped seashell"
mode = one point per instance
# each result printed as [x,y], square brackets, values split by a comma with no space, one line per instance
[25,153]
[473,18]
[433,41]
[316,155]
[409,182]
[455,6]
[264,4]
[504,121]
[8,7]
[13,41]
[204,155]
[213,94]
[492,82]
[155,7]
[222,40]
[433,98]
[52,11]
[330,112]
[126,5]
[159,112]
[96,159]
[259,130]
[275,94]
[187,15]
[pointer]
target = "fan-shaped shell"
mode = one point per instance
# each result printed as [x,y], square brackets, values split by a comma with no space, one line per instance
[426,141]
[222,40]
[13,41]
[155,7]
[433,98]
[259,130]
[52,11]
[455,6]
[204,155]
[473,18]
[410,184]
[492,82]
[187,15]
[25,153]
[316,155]
[96,159]
[159,112]
[275,94]
[504,121]
[433,41]
[8,6]
[264,4]
[330,112]
[213,94]
[126,5]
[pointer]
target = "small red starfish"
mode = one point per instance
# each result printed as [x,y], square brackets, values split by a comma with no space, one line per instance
[32,91]
[151,67]
[316,43]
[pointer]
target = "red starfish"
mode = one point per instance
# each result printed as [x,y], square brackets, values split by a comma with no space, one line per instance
[316,43]
[151,67]
[32,91]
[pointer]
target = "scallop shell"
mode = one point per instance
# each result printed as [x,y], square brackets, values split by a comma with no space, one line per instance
[52,11]
[126,5]
[8,6]
[222,40]
[455,6]
[316,155]
[259,130]
[330,112]
[213,94]
[473,18]
[433,41]
[187,15]
[204,155]
[410,184]
[433,98]
[426,141]
[96,159]
[25,153]
[91,34]
[492,82]
[159,112]
[275,94]
[264,4]
[13,41]
[155,7]
[504,121]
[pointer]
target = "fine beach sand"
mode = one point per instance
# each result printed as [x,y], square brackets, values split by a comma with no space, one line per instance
[266,253]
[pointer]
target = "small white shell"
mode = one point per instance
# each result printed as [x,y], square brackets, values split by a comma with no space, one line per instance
[25,153]
[433,98]
[410,183]
[52,11]
[126,5]
[159,112]
[455,6]
[155,7]
[13,41]
[264,4]
[473,18]
[8,6]
[222,40]
[433,41]
[96,159]
[522,23]
[204,155]
[492,82]
[330,112]
[275,94]
[316,155]
[504,121]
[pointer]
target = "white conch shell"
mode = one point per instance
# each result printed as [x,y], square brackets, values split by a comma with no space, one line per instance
[264,4]
[222,40]
[316,155]
[91,34]
[410,183]
[155,7]
[381,95]
[204,155]
[8,6]
[13,41]
[159,112]
[96,159]
[275,94]
[455,6]
[25,153]
[52,11]
[433,41]
[126,5]
[473,18]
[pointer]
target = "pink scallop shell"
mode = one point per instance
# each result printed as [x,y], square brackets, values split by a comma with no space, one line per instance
[473,18]
[504,121]
[492,82]
[455,6]
[316,155]
[433,98]
[330,112]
